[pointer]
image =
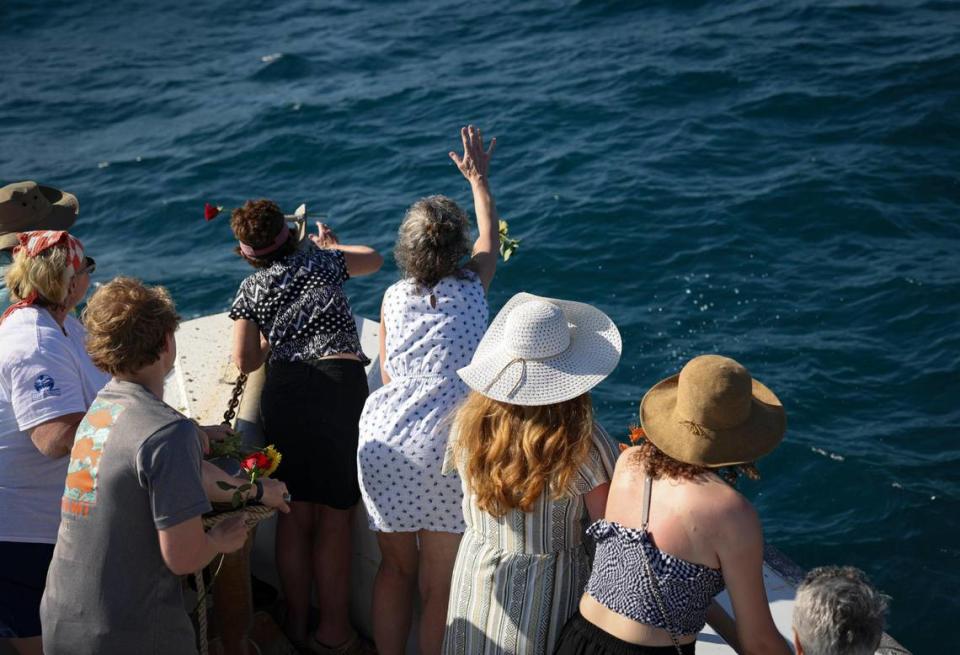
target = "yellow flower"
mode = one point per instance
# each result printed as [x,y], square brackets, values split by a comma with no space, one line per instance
[275,457]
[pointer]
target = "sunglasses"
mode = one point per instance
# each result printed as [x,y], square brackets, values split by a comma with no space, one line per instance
[89,266]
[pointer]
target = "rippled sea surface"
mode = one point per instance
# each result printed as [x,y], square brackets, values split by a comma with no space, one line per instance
[776,181]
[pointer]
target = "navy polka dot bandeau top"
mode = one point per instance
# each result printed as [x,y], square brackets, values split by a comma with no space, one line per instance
[620,582]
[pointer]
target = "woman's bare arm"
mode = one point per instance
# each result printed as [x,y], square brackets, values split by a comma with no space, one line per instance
[383,349]
[475,164]
[723,624]
[249,347]
[54,438]
[596,501]
[360,260]
[740,549]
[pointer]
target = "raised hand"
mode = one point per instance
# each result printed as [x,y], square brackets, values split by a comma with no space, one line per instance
[475,160]
[325,237]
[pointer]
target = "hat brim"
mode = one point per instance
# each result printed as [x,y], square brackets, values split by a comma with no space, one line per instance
[9,240]
[594,352]
[64,208]
[759,435]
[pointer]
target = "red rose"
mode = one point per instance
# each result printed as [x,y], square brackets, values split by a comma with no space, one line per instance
[255,461]
[210,212]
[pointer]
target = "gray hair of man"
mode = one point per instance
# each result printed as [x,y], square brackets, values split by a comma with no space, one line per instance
[838,612]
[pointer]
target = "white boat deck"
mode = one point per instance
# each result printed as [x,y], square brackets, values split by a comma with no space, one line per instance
[201,386]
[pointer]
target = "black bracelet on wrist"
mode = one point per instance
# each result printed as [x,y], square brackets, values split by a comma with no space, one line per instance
[259,486]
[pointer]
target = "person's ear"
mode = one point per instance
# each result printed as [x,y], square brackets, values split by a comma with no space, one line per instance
[72,284]
[796,643]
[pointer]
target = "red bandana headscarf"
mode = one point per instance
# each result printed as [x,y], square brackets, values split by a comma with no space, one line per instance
[34,243]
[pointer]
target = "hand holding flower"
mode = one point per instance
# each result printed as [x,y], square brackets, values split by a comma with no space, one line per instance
[325,237]
[275,494]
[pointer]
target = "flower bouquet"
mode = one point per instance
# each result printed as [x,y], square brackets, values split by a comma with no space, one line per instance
[254,464]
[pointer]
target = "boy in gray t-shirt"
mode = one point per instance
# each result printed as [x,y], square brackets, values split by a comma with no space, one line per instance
[134,495]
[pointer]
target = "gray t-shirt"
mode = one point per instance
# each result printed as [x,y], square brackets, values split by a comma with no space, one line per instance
[134,469]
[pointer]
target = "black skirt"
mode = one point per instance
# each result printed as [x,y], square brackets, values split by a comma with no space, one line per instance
[311,413]
[580,637]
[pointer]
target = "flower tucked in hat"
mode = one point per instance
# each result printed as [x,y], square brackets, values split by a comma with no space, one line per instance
[541,351]
[713,414]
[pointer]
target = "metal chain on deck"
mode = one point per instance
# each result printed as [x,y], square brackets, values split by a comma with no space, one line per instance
[234,401]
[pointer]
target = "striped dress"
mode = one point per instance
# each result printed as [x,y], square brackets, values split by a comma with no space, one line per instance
[519,577]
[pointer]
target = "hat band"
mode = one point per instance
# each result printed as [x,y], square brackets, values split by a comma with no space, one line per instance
[523,372]
[503,370]
[250,251]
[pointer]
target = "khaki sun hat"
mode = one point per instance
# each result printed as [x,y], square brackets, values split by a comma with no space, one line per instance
[541,351]
[713,414]
[28,206]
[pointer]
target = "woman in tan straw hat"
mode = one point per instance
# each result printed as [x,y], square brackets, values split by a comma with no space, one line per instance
[534,466]
[660,562]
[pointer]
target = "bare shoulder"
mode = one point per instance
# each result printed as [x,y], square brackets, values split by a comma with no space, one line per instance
[628,463]
[731,512]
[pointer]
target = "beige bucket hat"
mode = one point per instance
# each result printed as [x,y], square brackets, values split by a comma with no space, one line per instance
[28,206]
[713,413]
[541,351]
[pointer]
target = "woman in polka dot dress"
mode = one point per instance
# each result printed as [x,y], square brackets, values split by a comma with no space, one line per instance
[430,323]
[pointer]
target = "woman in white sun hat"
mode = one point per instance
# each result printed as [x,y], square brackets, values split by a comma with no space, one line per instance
[535,465]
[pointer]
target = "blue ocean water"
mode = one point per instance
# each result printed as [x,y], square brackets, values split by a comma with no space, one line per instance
[776,181]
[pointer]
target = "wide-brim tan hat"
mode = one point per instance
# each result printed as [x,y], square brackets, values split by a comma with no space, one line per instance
[541,351]
[713,413]
[27,206]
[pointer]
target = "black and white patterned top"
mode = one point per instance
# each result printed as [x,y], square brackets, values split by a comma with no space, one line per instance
[299,305]
[619,580]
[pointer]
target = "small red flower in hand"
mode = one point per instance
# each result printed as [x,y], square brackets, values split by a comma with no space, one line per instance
[255,462]
[210,212]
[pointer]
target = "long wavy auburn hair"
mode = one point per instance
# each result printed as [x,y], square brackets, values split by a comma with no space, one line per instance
[510,455]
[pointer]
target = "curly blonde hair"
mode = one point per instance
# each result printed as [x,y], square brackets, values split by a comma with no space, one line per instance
[433,240]
[127,325]
[510,454]
[46,274]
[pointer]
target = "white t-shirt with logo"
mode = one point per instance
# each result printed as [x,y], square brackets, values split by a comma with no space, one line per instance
[44,374]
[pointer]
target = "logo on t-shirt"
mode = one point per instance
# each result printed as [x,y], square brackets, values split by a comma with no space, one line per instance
[80,491]
[45,387]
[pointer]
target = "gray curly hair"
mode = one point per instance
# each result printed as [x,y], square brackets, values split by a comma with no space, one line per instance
[433,240]
[838,612]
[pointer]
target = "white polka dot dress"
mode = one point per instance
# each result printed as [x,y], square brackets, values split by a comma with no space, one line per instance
[404,427]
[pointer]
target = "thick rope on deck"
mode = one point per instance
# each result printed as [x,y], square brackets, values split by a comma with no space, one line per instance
[252,515]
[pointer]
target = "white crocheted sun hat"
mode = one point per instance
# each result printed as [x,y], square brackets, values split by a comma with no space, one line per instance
[540,351]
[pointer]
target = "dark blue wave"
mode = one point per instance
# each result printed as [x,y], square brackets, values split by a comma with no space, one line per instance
[772,180]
